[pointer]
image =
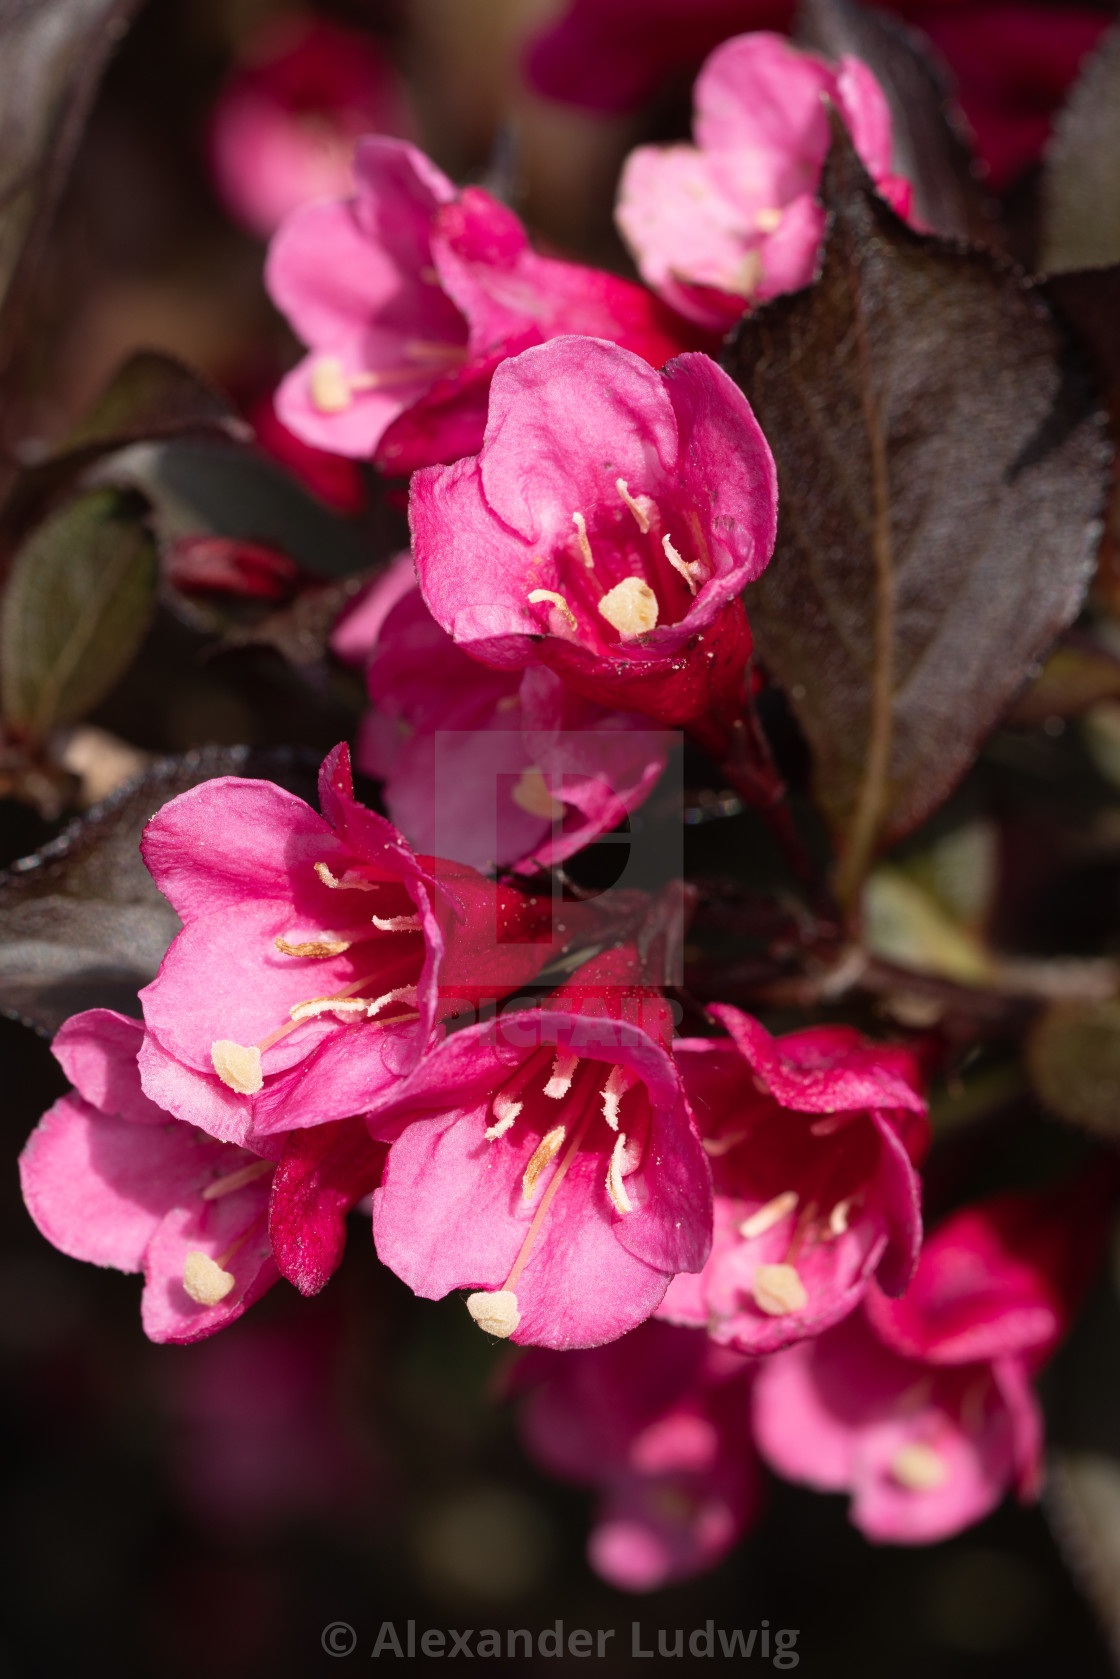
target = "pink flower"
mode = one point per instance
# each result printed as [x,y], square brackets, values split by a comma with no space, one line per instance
[606,530]
[658,1422]
[922,1408]
[111,1178]
[1012,62]
[733,220]
[410,294]
[323,1172]
[316,955]
[548,1161]
[284,128]
[813,1139]
[490,766]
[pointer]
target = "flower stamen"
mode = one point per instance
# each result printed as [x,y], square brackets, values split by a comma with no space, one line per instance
[588,557]
[546,1150]
[766,1217]
[630,608]
[237,1180]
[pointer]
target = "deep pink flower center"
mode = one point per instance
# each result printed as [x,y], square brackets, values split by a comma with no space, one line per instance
[382,945]
[630,564]
[588,1116]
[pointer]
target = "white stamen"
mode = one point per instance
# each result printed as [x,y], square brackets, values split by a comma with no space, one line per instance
[580,523]
[403,994]
[744,281]
[616,1189]
[630,607]
[769,220]
[563,1069]
[537,596]
[205,1281]
[505,1111]
[691,570]
[918,1467]
[715,1147]
[531,794]
[765,1218]
[346,1007]
[238,1066]
[237,1180]
[830,1124]
[545,1151]
[396,923]
[838,1218]
[621,1080]
[323,947]
[640,506]
[495,1311]
[329,386]
[778,1290]
[349,880]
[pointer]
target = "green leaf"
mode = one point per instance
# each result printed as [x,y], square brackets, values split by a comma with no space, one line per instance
[1081,184]
[52,54]
[75,610]
[1073,1057]
[942,469]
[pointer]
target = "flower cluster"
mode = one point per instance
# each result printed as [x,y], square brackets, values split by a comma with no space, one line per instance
[713,1244]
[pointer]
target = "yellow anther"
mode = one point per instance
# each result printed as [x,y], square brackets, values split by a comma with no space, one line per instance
[564,1066]
[505,1111]
[206,1282]
[237,1180]
[329,386]
[530,793]
[580,523]
[397,923]
[918,1467]
[642,507]
[778,1290]
[690,570]
[495,1311]
[620,1080]
[616,1189]
[745,280]
[237,1065]
[545,1151]
[313,947]
[630,607]
[765,1218]
[538,596]
[769,220]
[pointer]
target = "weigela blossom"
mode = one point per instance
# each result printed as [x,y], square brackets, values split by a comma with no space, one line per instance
[659,1422]
[506,789]
[922,1408]
[283,130]
[410,293]
[547,1160]
[316,955]
[814,1140]
[606,530]
[1011,62]
[111,1178]
[733,220]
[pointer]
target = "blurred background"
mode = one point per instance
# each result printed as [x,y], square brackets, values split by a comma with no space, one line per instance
[208,1510]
